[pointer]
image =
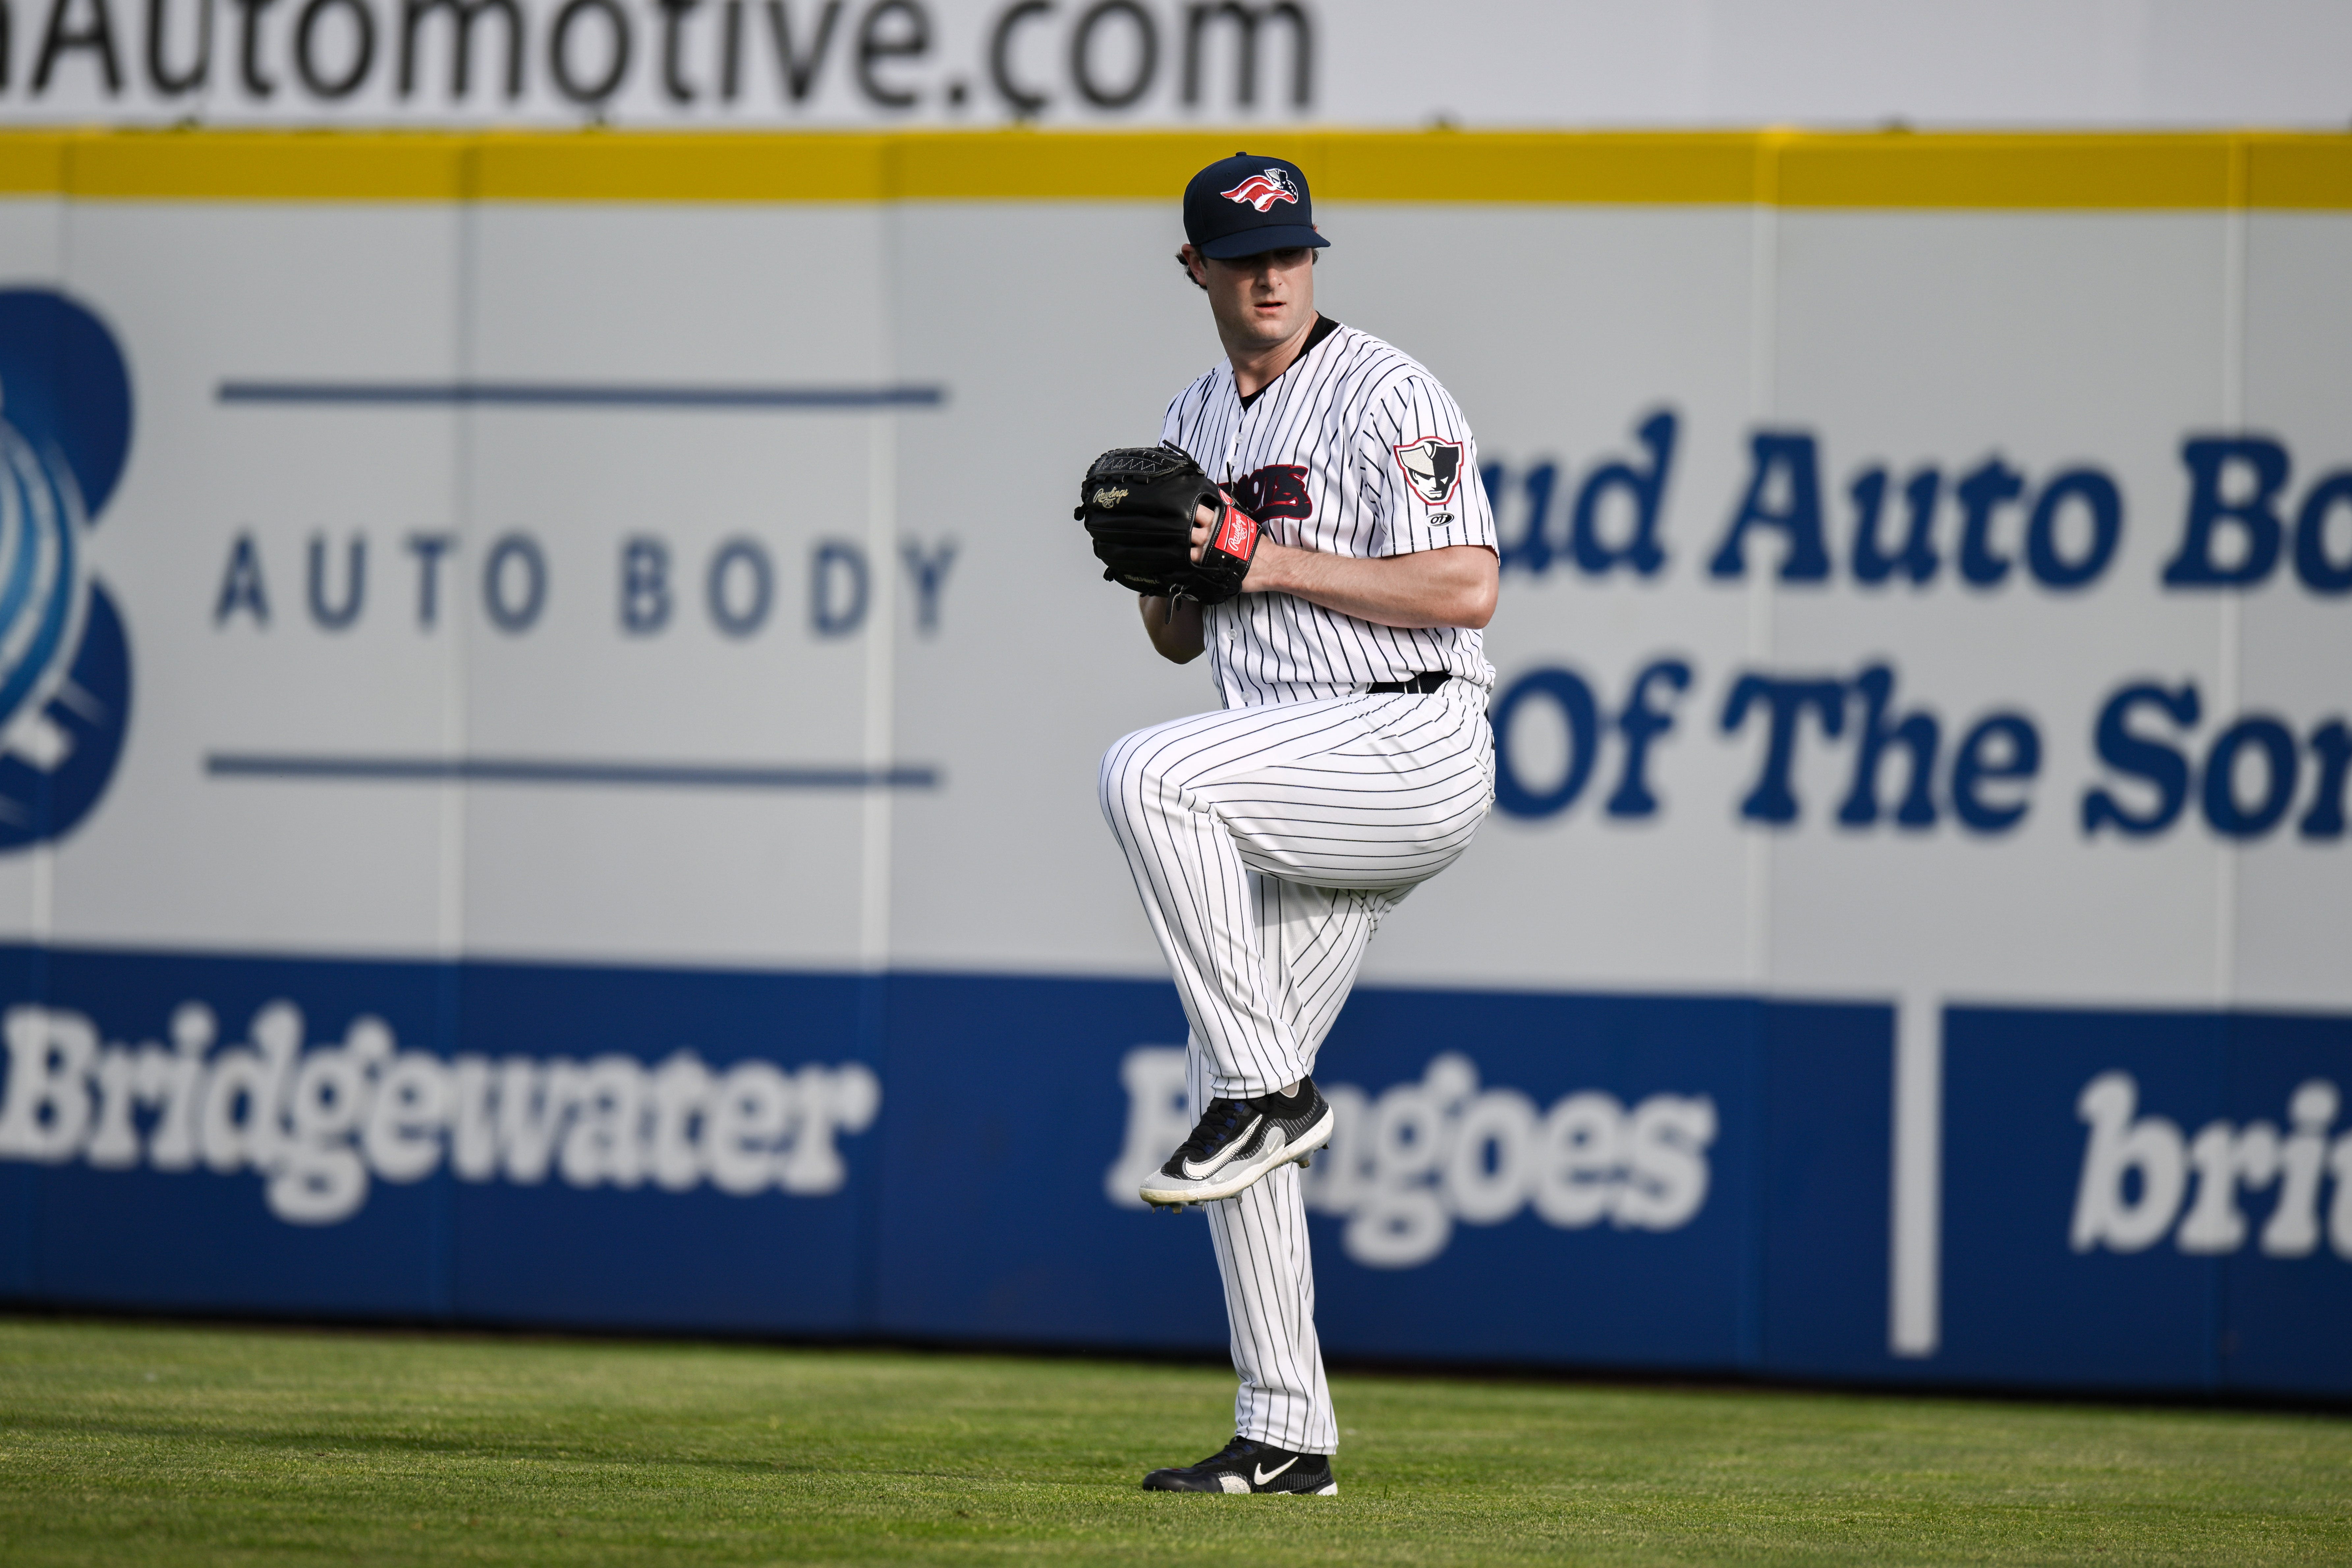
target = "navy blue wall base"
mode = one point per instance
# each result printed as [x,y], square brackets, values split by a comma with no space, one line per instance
[1697,1185]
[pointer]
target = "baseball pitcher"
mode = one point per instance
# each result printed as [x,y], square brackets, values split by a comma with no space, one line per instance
[1312,521]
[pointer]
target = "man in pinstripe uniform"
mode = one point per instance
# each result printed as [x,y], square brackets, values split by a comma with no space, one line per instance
[1352,760]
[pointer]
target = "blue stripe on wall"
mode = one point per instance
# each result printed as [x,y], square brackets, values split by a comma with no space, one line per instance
[560,771]
[580,394]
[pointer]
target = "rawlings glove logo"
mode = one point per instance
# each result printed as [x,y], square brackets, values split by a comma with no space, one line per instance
[1236,535]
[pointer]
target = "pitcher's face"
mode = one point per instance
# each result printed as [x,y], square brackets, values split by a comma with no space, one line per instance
[1265,299]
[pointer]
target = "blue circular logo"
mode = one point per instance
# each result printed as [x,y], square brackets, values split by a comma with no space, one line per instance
[65,667]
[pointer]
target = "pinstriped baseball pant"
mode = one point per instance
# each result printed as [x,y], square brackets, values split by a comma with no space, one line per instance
[1267,842]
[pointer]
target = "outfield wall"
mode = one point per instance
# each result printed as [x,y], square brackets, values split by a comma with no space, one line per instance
[552,709]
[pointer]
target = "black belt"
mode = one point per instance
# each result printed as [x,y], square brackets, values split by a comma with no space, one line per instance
[1427,681]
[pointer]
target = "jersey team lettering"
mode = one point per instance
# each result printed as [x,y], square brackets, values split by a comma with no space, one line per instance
[1279,490]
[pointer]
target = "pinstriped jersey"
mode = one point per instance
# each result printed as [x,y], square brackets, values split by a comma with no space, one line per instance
[1355,449]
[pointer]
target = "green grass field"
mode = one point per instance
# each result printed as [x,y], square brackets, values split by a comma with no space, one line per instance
[136,1444]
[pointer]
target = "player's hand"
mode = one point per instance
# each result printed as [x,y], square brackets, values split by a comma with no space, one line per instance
[1203,520]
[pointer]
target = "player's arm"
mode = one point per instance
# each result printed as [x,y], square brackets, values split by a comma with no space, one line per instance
[1173,625]
[1451,586]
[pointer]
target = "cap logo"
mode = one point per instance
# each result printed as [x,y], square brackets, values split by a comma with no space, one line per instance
[1264,189]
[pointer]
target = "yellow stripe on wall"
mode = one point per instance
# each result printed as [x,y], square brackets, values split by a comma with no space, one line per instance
[2308,171]
[2006,172]
[312,166]
[672,166]
[1932,170]
[1702,167]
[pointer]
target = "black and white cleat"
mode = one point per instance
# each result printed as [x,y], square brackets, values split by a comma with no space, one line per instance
[1236,1142]
[1249,1467]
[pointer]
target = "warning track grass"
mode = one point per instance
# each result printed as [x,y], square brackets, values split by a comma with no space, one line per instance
[139,1444]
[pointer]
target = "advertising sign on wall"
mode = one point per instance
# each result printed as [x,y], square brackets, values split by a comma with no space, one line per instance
[890,64]
[551,728]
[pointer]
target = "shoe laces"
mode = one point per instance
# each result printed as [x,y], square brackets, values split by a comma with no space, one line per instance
[1219,1121]
[1239,1449]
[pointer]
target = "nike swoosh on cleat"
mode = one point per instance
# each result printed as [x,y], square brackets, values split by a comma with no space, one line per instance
[1203,1170]
[1264,1475]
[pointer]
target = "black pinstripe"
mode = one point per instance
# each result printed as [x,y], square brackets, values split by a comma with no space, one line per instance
[1263,1257]
[1269,839]
[1340,413]
[1359,795]
[1267,842]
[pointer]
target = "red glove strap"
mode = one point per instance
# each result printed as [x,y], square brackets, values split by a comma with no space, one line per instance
[1236,534]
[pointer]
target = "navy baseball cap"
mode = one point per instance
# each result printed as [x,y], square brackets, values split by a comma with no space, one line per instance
[1243,206]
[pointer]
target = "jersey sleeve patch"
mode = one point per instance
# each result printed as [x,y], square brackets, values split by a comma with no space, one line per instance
[1431,468]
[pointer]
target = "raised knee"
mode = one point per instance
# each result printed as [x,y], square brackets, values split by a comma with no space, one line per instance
[1126,778]
[1141,774]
